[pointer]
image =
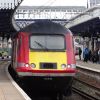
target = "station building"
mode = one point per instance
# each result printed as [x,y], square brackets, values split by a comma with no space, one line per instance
[48,12]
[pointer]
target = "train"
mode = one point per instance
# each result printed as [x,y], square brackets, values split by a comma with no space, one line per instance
[44,51]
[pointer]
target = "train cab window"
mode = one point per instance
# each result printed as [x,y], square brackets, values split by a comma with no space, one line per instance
[47,42]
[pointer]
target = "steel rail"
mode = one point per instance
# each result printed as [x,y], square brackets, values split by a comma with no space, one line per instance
[84,82]
[83,94]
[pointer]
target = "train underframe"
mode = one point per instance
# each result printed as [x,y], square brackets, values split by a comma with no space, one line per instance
[55,86]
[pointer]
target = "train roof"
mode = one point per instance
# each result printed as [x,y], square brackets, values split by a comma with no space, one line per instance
[45,27]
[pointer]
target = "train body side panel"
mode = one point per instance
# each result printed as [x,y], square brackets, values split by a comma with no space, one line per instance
[70,49]
[23,52]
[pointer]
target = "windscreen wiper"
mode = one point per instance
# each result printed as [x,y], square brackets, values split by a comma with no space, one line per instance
[39,44]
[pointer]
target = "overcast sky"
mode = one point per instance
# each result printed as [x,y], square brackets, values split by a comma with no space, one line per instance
[55,2]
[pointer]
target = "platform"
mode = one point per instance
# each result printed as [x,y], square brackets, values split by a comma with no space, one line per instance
[88,65]
[7,89]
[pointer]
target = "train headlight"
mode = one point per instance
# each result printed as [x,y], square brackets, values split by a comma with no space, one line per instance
[26,65]
[33,65]
[69,66]
[63,66]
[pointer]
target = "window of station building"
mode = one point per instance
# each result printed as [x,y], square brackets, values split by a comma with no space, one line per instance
[53,10]
[21,15]
[41,10]
[63,10]
[24,10]
[57,10]
[19,10]
[35,10]
[74,10]
[30,11]
[46,10]
[17,16]
[69,10]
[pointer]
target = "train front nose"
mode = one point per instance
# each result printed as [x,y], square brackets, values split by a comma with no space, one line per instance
[48,60]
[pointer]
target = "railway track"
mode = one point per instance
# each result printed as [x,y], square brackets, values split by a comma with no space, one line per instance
[88,83]
[83,94]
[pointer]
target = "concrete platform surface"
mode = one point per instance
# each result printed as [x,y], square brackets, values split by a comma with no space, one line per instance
[88,65]
[7,90]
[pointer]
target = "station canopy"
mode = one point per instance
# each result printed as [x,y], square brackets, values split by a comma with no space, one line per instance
[86,24]
[88,28]
[7,8]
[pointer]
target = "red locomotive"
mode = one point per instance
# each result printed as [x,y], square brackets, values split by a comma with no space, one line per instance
[44,50]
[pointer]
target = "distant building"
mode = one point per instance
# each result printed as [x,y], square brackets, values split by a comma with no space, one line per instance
[93,2]
[48,12]
[4,44]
